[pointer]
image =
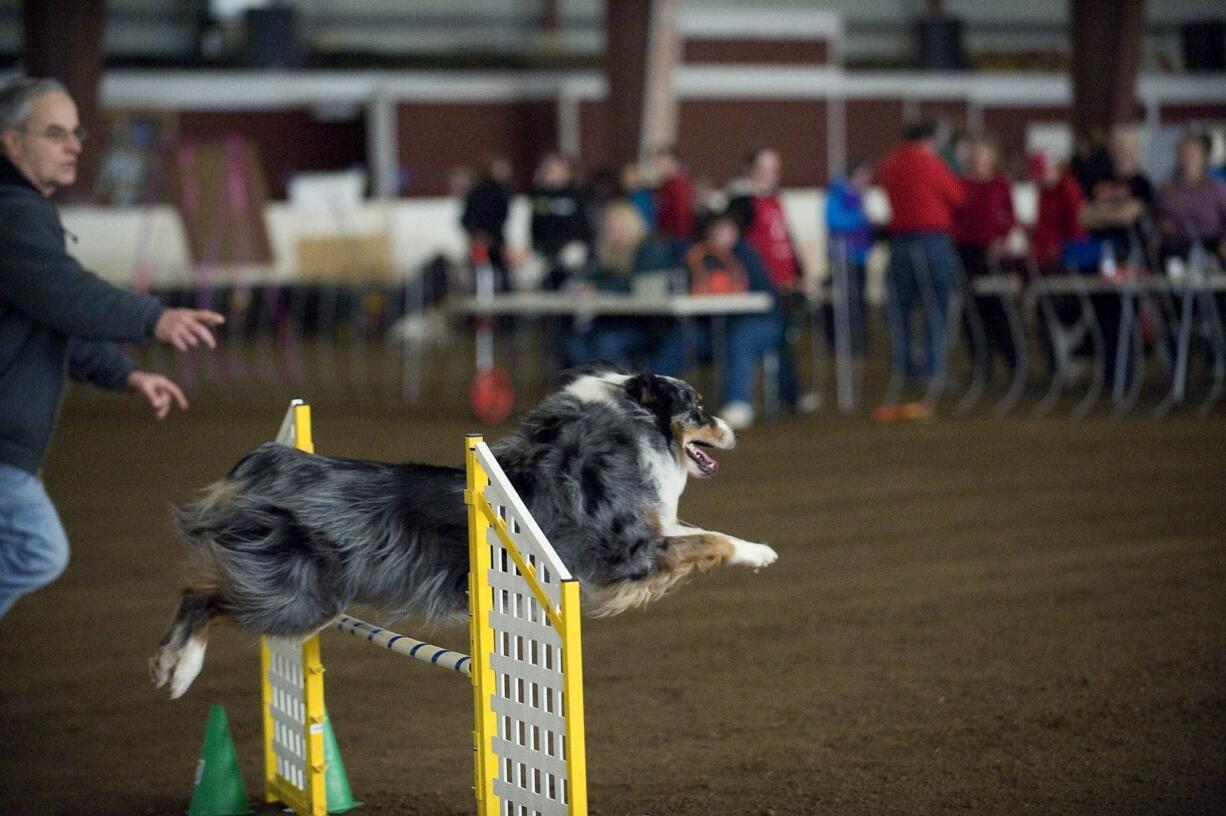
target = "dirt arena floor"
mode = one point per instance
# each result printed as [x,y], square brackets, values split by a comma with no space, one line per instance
[969,616]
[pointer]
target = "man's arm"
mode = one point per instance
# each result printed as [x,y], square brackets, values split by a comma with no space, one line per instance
[43,282]
[101,363]
[98,362]
[46,284]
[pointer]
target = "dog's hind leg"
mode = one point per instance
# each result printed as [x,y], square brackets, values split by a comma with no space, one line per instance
[180,654]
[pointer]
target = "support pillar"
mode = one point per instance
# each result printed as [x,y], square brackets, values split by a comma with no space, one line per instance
[1106,42]
[63,40]
[627,39]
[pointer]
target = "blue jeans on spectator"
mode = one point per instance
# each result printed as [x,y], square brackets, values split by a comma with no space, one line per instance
[606,341]
[749,338]
[33,545]
[920,275]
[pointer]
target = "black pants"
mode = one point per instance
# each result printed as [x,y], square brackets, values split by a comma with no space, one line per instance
[998,334]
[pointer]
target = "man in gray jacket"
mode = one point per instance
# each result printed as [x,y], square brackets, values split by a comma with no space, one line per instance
[54,317]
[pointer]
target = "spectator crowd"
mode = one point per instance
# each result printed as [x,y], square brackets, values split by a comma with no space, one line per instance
[650,227]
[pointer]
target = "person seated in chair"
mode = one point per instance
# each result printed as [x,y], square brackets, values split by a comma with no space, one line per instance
[624,251]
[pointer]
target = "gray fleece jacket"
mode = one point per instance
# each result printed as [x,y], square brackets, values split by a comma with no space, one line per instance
[55,318]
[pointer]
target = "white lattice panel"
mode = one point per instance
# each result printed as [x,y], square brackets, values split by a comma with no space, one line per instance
[529,685]
[288,710]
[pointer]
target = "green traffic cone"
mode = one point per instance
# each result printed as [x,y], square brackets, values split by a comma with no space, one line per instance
[336,783]
[219,783]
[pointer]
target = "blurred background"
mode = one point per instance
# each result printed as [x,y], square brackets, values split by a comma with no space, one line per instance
[309,167]
[414,213]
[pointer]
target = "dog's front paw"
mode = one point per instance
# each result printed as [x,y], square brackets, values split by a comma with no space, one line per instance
[748,554]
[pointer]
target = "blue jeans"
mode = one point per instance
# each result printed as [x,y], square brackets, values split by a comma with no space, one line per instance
[920,275]
[749,338]
[33,545]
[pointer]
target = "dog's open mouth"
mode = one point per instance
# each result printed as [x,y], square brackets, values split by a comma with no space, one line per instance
[705,462]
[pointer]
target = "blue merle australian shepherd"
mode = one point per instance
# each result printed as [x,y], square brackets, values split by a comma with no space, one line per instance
[288,540]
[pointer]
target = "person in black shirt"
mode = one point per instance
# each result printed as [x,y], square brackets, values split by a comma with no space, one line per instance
[1117,206]
[1117,214]
[485,212]
[559,216]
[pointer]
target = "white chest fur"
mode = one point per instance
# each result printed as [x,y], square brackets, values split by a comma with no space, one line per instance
[669,477]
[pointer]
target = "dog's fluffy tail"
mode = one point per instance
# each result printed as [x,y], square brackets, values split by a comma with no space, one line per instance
[235,576]
[255,558]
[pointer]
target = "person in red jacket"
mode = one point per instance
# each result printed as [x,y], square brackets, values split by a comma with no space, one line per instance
[924,194]
[761,215]
[1058,222]
[759,211]
[984,220]
[1057,227]
[981,225]
[674,203]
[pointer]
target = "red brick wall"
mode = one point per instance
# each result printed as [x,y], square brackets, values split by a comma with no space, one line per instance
[289,141]
[714,135]
[593,125]
[951,111]
[1008,125]
[873,127]
[435,137]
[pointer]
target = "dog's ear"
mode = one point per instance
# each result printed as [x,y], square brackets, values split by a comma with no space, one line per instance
[643,388]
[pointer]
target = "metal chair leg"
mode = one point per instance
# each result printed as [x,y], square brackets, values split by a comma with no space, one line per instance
[1021,361]
[1098,378]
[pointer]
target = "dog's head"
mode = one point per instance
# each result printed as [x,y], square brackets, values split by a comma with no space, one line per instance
[681,418]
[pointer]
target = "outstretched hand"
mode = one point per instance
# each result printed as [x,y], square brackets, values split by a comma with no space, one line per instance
[160,392]
[187,328]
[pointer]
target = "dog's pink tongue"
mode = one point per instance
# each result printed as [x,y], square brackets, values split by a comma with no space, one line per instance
[707,463]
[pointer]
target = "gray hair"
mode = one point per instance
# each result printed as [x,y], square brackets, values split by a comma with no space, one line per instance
[17,96]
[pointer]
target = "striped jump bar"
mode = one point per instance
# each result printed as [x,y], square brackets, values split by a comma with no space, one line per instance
[402,644]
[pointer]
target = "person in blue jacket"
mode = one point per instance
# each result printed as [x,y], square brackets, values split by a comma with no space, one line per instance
[56,317]
[850,238]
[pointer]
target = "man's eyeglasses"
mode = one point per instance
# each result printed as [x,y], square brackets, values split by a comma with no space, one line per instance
[59,135]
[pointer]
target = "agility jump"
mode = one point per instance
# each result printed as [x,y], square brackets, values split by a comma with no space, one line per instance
[526,663]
